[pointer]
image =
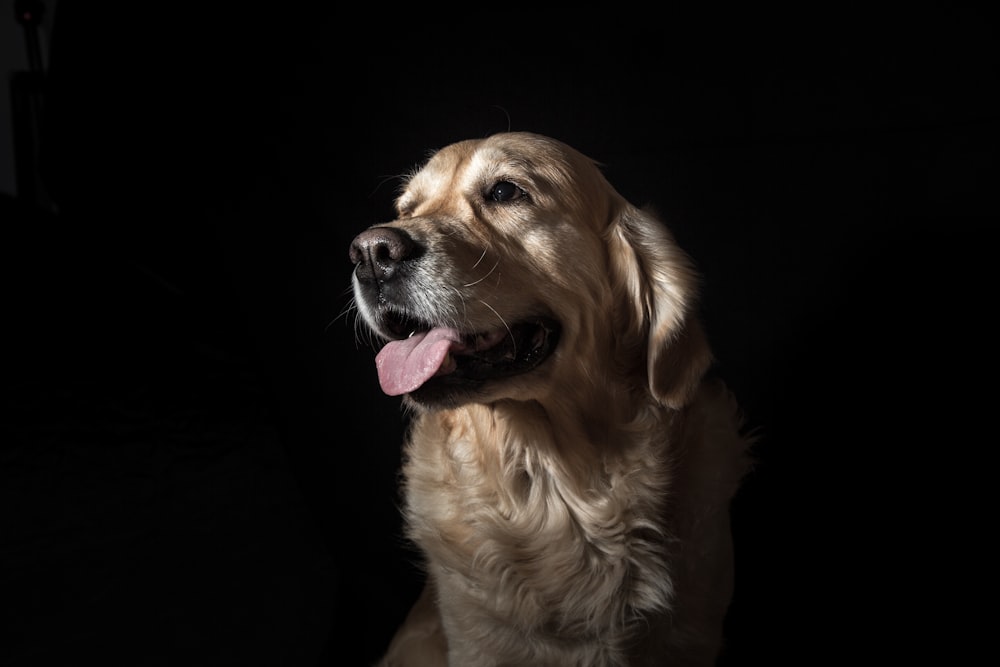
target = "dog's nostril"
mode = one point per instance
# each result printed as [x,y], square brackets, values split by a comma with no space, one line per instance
[378,250]
[385,252]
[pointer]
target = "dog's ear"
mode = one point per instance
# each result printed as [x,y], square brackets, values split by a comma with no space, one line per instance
[654,285]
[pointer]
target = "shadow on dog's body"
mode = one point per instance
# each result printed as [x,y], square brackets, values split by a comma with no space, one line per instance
[568,470]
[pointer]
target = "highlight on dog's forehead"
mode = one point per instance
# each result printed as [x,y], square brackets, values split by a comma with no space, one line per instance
[465,160]
[465,165]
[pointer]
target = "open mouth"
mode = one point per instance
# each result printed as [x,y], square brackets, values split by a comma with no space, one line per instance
[424,354]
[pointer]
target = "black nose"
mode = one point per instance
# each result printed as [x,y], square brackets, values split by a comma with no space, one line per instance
[378,252]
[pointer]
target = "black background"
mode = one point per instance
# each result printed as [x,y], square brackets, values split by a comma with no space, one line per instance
[199,466]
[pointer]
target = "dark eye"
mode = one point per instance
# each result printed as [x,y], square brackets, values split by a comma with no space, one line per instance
[504,191]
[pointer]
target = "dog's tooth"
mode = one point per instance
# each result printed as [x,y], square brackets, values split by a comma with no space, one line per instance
[538,340]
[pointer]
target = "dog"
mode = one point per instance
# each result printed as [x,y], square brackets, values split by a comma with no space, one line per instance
[569,461]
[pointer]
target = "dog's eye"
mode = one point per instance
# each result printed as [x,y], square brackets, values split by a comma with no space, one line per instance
[504,191]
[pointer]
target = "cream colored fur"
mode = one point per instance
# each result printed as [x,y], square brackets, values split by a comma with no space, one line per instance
[577,514]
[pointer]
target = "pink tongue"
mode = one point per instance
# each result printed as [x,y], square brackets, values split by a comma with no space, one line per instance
[404,365]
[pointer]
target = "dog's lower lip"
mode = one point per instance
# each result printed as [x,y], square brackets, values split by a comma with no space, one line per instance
[507,351]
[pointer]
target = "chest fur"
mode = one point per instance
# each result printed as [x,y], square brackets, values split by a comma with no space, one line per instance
[553,534]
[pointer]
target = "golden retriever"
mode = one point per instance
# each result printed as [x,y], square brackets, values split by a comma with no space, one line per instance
[568,468]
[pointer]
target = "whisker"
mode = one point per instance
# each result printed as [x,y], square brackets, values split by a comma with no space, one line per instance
[461,298]
[386,179]
[349,307]
[362,332]
[504,322]
[481,258]
[476,282]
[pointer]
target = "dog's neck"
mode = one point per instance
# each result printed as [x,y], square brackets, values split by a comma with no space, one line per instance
[603,410]
[601,425]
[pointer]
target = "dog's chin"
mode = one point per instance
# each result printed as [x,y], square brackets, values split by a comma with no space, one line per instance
[503,371]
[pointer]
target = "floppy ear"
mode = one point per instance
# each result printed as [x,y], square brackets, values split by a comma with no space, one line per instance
[654,285]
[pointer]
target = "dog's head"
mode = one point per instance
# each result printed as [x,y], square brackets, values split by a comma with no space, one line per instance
[515,271]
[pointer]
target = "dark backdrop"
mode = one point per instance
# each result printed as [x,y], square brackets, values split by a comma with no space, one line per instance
[200,467]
